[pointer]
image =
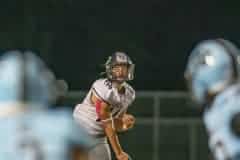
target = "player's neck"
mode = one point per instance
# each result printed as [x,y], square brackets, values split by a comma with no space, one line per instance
[118,85]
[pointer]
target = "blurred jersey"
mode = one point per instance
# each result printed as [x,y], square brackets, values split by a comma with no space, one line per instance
[86,114]
[218,118]
[40,135]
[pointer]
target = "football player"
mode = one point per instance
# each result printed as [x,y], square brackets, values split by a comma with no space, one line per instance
[28,130]
[103,113]
[212,74]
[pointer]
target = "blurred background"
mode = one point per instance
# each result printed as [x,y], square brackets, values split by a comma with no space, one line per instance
[76,37]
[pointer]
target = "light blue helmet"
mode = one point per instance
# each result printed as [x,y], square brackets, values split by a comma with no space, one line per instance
[24,81]
[212,66]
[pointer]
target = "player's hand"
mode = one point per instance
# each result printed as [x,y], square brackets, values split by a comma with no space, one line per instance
[128,121]
[122,156]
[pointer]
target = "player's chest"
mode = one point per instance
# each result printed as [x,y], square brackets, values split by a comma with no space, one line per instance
[121,99]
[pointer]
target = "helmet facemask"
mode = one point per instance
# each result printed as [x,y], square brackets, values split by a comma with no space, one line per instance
[119,67]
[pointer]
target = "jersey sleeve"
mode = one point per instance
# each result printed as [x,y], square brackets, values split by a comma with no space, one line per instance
[103,90]
[131,95]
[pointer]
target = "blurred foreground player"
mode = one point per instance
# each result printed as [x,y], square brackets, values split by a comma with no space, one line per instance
[28,130]
[104,110]
[212,74]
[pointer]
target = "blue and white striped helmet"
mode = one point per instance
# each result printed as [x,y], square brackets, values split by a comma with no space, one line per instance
[212,65]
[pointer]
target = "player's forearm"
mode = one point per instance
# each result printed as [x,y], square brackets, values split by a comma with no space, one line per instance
[113,139]
[118,124]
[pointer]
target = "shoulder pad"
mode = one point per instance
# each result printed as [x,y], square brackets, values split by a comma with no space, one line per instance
[103,89]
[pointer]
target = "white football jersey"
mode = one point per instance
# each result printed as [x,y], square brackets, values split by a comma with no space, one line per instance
[85,113]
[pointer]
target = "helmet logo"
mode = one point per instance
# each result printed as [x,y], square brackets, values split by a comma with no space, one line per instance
[121,58]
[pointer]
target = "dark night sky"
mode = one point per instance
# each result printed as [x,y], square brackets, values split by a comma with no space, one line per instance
[75,37]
